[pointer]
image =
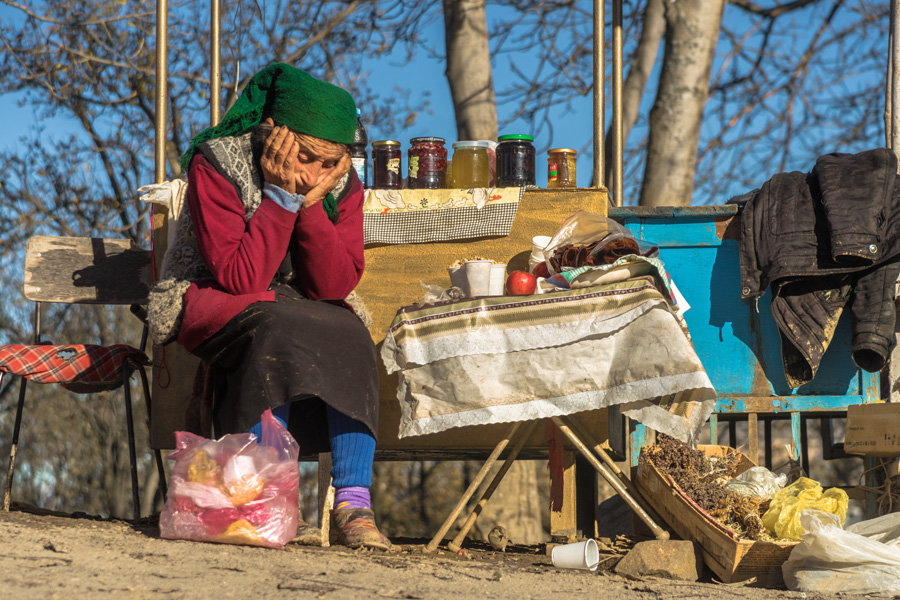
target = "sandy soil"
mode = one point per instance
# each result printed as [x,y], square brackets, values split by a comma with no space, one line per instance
[46,556]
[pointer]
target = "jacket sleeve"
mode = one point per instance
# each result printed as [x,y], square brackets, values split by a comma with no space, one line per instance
[242,255]
[328,257]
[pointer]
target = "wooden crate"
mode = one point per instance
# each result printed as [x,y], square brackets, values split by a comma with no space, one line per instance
[729,557]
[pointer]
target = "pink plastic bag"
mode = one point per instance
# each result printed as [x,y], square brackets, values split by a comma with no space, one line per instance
[234,490]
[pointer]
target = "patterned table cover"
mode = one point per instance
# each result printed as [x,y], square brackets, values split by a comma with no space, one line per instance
[517,358]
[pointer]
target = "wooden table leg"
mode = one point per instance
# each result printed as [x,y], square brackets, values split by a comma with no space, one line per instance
[479,477]
[326,497]
[614,480]
[563,519]
[481,502]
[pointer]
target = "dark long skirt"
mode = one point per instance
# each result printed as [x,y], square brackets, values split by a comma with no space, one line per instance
[294,349]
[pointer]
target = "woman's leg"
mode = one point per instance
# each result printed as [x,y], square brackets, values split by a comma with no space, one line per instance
[352,453]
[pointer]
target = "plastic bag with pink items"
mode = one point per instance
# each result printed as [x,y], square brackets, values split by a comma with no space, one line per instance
[234,490]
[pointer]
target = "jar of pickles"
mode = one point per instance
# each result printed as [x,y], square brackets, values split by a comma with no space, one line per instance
[386,164]
[515,160]
[471,164]
[561,168]
[427,162]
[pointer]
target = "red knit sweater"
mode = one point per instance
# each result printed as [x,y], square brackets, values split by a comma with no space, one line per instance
[243,256]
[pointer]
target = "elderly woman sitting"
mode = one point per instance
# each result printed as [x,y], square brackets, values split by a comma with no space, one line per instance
[255,282]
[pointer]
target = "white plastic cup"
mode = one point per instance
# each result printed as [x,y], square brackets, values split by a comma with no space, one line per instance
[538,243]
[580,555]
[458,278]
[478,275]
[498,279]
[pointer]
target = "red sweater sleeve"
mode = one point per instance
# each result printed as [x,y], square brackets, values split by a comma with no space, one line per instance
[242,255]
[328,257]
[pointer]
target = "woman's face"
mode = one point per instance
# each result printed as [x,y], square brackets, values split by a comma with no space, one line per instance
[315,160]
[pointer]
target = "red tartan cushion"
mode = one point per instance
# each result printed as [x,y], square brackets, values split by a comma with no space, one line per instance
[83,367]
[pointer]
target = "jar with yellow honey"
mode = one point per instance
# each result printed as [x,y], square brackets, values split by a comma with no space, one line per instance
[561,168]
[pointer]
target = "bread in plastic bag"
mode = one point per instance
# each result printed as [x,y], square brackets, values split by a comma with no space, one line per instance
[782,520]
[234,490]
[758,482]
[863,559]
[586,239]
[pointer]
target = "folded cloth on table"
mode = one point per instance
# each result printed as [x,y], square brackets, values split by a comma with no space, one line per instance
[505,359]
[413,216]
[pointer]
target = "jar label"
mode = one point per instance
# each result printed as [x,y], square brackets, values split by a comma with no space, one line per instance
[552,172]
[393,165]
[413,167]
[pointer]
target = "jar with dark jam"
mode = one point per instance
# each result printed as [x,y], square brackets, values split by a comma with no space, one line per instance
[427,162]
[386,156]
[515,160]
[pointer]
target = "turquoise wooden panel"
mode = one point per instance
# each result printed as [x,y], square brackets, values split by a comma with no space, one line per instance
[737,340]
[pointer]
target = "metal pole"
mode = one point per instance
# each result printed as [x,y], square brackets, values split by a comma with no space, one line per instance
[215,73]
[894,77]
[599,100]
[162,74]
[618,131]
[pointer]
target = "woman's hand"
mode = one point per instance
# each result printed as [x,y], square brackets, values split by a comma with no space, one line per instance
[279,158]
[321,189]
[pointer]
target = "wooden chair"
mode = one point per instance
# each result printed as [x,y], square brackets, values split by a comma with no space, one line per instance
[82,271]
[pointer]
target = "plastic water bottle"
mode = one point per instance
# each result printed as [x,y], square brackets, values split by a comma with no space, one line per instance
[358,155]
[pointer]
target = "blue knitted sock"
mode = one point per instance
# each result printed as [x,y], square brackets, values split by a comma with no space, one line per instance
[281,413]
[352,451]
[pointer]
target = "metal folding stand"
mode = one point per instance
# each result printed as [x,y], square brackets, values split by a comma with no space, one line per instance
[518,435]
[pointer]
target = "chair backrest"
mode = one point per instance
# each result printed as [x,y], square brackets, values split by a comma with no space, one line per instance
[77,270]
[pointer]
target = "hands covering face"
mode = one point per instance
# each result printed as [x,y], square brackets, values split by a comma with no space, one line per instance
[302,164]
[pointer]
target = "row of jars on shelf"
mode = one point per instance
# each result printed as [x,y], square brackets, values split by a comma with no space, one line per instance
[509,162]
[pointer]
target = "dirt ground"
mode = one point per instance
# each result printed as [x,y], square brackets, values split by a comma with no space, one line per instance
[49,556]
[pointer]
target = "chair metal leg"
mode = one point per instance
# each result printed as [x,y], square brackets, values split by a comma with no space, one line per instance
[156,453]
[13,448]
[135,497]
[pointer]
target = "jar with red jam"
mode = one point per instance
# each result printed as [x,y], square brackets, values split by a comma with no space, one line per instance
[427,162]
[386,156]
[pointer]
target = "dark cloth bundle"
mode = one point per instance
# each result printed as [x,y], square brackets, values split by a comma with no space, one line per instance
[823,241]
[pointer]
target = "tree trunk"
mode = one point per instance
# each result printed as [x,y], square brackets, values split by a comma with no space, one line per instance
[469,69]
[653,26]
[692,30]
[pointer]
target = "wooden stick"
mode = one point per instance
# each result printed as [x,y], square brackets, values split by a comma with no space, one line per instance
[479,477]
[626,481]
[612,479]
[326,497]
[481,502]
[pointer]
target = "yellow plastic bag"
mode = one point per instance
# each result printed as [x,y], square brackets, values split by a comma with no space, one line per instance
[782,520]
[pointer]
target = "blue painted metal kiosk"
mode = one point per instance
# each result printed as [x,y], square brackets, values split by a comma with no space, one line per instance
[736,339]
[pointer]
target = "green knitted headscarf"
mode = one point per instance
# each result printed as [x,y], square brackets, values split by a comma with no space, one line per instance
[293,98]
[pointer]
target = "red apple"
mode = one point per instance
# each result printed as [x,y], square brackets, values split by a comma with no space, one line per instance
[540,270]
[520,283]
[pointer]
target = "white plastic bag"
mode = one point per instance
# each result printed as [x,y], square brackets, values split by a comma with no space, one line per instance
[758,482]
[863,559]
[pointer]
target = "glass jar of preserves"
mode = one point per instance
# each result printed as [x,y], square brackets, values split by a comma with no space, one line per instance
[427,162]
[515,160]
[561,168]
[386,164]
[471,164]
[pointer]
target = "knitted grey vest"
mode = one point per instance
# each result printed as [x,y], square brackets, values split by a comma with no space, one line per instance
[183,264]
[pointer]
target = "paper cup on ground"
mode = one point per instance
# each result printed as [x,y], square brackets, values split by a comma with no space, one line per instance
[478,275]
[498,279]
[580,555]
[458,278]
[538,243]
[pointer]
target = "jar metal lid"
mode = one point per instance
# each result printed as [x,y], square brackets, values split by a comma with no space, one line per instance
[471,145]
[515,136]
[386,143]
[561,151]
[427,140]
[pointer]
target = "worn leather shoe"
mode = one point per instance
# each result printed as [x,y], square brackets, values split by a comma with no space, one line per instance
[355,527]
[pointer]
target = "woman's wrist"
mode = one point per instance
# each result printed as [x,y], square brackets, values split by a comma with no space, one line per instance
[283,198]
